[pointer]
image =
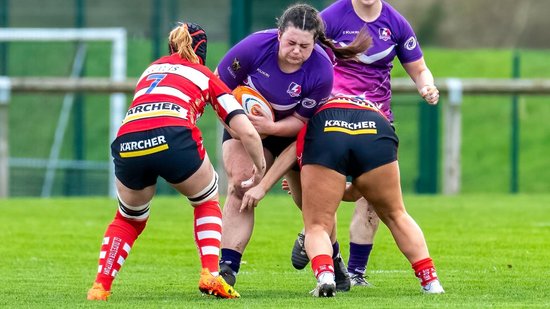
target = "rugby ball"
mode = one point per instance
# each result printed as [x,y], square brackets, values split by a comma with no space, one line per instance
[251,101]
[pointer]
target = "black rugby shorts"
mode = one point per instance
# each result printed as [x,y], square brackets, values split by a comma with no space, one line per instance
[173,153]
[349,141]
[275,144]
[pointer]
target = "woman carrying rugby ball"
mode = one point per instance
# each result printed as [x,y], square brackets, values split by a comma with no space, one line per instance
[295,75]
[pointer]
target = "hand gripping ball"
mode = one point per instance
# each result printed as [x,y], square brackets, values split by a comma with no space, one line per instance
[251,101]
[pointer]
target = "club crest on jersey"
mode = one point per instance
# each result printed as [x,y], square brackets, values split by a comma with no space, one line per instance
[411,43]
[236,65]
[384,34]
[294,90]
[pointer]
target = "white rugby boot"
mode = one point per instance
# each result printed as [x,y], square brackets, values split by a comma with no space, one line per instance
[433,287]
[326,286]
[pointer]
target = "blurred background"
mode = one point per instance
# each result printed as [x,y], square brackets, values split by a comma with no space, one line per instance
[504,139]
[443,23]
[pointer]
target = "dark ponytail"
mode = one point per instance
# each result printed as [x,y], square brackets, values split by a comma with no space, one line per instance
[360,44]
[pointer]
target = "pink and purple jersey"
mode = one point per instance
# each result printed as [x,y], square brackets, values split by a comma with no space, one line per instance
[369,78]
[254,62]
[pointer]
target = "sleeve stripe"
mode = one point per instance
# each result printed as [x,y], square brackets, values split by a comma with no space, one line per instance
[229,103]
[233,114]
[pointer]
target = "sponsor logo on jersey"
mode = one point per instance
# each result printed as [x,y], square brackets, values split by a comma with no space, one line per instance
[162,68]
[354,32]
[231,72]
[264,73]
[308,103]
[143,147]
[351,128]
[384,34]
[294,90]
[159,109]
[411,43]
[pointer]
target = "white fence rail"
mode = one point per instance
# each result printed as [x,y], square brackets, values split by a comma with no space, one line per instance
[117,38]
[399,85]
[452,87]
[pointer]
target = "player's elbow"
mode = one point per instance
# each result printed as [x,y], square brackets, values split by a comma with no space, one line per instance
[248,134]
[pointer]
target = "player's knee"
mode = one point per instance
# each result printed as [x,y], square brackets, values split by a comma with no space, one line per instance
[136,216]
[139,213]
[235,189]
[392,217]
[318,227]
[206,194]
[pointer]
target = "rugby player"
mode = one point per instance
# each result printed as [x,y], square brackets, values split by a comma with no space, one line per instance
[295,75]
[369,78]
[159,138]
[349,138]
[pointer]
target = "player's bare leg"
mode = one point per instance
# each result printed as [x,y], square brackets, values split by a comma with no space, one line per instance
[237,225]
[299,257]
[320,202]
[381,187]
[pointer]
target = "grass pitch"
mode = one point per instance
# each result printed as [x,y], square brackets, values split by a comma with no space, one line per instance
[489,250]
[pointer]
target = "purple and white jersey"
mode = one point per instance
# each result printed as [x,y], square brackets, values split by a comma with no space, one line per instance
[369,78]
[254,62]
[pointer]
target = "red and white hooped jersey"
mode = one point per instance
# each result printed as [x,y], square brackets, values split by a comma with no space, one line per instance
[173,92]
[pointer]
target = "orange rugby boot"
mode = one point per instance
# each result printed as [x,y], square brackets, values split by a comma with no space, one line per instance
[208,284]
[97,292]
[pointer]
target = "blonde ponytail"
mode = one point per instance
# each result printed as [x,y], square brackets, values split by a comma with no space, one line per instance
[180,42]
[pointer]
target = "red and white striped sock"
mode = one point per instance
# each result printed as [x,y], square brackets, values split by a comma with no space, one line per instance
[425,271]
[208,234]
[117,242]
[321,264]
